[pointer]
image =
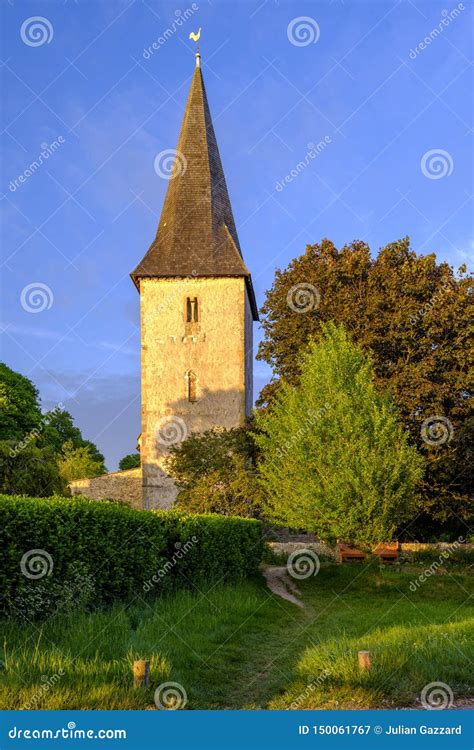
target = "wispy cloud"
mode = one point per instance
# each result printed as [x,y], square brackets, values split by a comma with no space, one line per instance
[44,333]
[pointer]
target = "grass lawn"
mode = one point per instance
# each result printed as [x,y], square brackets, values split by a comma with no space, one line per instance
[242,647]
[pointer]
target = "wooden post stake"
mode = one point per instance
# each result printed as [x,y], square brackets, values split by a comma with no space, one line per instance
[365,660]
[141,673]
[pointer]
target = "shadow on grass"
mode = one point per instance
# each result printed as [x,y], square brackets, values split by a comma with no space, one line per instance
[241,647]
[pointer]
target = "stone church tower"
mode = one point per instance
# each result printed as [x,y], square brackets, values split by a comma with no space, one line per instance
[197,306]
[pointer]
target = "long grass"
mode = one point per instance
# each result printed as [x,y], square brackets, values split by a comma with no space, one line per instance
[241,647]
[405,659]
[187,639]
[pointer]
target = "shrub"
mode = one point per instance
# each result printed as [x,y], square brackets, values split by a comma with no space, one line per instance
[84,549]
[25,468]
[215,471]
[234,491]
[460,556]
[78,463]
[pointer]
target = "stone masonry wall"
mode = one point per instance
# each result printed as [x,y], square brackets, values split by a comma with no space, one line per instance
[214,349]
[118,485]
[248,355]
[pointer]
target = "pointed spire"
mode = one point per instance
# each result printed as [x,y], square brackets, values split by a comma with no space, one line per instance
[196,234]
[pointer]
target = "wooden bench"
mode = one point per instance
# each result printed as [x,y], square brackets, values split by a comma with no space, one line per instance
[346,553]
[388,551]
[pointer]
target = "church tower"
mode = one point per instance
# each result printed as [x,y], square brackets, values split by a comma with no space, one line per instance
[197,306]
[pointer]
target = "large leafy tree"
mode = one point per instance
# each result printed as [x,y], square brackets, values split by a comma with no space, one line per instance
[334,458]
[32,443]
[20,412]
[414,316]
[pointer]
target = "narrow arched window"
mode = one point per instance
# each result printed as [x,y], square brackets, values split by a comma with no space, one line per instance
[192,383]
[192,312]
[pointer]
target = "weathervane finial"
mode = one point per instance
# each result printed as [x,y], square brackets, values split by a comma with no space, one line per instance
[195,37]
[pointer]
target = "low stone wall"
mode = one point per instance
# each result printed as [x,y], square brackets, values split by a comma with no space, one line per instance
[422,546]
[118,485]
[284,535]
[320,548]
[286,548]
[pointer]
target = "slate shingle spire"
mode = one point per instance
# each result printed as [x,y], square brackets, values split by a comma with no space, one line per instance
[196,234]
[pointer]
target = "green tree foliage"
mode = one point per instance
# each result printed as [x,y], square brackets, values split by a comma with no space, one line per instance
[131,461]
[27,469]
[216,473]
[19,405]
[334,458]
[233,492]
[59,429]
[78,463]
[32,443]
[415,318]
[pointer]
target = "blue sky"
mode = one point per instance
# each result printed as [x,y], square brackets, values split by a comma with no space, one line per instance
[395,117]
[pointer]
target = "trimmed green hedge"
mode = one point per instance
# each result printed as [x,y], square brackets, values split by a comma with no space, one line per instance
[103,552]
